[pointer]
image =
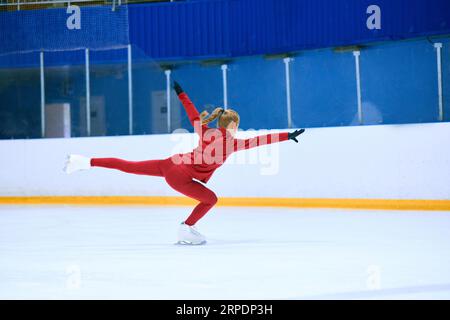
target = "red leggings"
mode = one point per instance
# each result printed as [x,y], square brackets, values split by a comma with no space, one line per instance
[175,177]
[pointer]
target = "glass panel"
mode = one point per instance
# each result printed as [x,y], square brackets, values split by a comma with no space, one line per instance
[446,76]
[109,93]
[20,96]
[399,83]
[323,89]
[65,83]
[204,86]
[257,91]
[149,95]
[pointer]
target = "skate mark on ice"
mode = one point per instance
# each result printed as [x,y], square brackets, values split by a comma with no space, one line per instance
[264,242]
[374,294]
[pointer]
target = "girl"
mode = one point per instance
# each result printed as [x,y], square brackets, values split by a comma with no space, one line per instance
[180,170]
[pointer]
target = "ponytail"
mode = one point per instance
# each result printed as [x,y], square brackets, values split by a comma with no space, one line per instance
[225,117]
[214,115]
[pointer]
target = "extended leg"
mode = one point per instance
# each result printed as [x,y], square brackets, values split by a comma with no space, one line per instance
[149,167]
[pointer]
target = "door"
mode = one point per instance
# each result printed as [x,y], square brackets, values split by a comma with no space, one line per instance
[57,120]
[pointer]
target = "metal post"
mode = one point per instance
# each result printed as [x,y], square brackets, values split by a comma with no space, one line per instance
[438,47]
[169,101]
[287,62]
[358,86]
[130,92]
[88,95]
[42,95]
[225,86]
[18,5]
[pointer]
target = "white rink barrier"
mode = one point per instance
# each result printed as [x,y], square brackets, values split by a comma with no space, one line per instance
[367,162]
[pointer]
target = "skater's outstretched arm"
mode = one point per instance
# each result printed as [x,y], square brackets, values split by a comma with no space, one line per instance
[244,144]
[191,110]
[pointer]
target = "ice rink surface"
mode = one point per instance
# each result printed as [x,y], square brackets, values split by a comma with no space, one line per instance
[253,253]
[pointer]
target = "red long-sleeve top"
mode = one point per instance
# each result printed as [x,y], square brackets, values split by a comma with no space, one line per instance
[215,145]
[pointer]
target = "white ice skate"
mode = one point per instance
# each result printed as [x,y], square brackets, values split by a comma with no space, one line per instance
[76,163]
[188,235]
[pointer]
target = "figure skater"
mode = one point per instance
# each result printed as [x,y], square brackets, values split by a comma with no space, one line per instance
[184,171]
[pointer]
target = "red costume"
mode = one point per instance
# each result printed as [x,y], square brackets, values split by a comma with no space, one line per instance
[215,146]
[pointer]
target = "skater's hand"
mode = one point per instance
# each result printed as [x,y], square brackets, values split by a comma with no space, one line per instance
[177,88]
[295,134]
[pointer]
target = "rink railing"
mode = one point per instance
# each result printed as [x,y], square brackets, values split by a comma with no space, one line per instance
[395,167]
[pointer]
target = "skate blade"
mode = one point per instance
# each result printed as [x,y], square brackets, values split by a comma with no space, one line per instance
[187,243]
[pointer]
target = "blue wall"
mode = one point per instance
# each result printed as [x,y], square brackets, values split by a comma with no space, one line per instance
[230,28]
[218,28]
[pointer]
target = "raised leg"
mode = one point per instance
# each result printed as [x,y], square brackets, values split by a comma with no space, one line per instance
[149,167]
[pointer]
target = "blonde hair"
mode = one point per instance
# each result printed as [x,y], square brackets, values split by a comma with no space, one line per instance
[225,117]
